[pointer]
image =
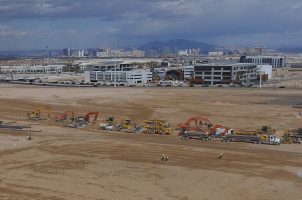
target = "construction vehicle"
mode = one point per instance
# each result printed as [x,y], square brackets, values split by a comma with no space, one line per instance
[129,126]
[76,122]
[195,124]
[196,135]
[263,130]
[37,114]
[259,139]
[109,124]
[264,135]
[65,116]
[196,127]
[292,136]
[88,117]
[157,126]
[220,130]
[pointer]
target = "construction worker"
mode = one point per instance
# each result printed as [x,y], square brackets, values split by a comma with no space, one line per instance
[164,157]
[220,155]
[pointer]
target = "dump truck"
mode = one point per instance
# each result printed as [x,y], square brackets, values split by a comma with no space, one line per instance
[259,139]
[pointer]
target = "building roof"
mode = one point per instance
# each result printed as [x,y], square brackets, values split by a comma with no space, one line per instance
[226,64]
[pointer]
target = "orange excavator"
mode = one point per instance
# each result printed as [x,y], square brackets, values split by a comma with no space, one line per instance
[65,116]
[220,130]
[95,116]
[196,127]
[196,123]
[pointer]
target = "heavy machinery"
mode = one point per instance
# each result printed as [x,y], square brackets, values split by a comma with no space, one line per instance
[262,130]
[292,136]
[259,139]
[37,114]
[87,117]
[264,135]
[109,124]
[129,126]
[220,130]
[157,126]
[196,135]
[76,122]
[196,127]
[194,124]
[64,116]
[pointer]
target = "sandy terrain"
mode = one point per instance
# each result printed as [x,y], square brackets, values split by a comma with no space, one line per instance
[65,163]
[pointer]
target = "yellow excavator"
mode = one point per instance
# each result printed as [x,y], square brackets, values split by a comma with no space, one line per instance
[37,114]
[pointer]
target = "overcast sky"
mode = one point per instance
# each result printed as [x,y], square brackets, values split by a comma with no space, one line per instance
[34,24]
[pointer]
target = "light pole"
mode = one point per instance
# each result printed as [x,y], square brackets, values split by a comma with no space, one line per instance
[261,74]
[115,66]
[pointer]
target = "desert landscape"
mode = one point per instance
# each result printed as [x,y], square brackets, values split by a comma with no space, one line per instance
[68,163]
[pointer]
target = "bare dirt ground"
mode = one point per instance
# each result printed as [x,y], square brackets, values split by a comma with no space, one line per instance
[65,163]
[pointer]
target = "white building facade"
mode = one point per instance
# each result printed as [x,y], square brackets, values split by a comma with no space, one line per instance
[220,73]
[188,72]
[274,61]
[35,69]
[128,78]
[119,72]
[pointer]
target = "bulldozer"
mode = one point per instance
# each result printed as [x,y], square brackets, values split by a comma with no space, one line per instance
[129,126]
[157,126]
[37,114]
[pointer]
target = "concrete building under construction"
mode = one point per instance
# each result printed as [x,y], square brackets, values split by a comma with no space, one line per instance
[117,72]
[213,74]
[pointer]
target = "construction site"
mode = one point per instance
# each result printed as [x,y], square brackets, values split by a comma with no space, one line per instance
[150,143]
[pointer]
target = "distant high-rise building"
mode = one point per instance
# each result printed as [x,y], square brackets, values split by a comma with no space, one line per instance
[216,53]
[138,53]
[253,51]
[183,52]
[67,52]
[151,53]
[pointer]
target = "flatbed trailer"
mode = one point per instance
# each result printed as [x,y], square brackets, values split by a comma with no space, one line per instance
[196,135]
[257,139]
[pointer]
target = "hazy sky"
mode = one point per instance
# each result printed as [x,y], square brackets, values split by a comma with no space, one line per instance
[32,24]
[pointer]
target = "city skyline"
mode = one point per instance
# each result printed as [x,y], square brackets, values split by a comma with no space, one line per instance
[35,24]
